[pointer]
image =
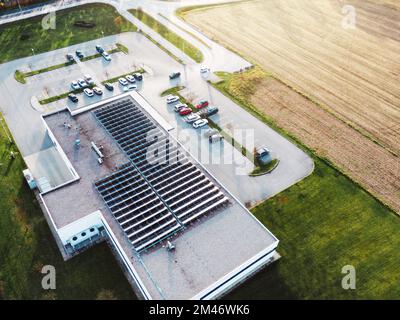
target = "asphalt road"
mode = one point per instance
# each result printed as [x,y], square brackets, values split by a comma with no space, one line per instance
[28,130]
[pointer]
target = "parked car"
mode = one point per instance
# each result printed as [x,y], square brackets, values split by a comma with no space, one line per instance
[88,79]
[211,111]
[179,106]
[99,49]
[192,117]
[138,76]
[82,83]
[130,78]
[200,123]
[172,99]
[79,54]
[263,155]
[106,56]
[202,104]
[70,57]
[97,91]
[185,111]
[204,70]
[88,92]
[215,138]
[75,85]
[73,98]
[262,152]
[130,87]
[123,81]
[174,75]
[109,86]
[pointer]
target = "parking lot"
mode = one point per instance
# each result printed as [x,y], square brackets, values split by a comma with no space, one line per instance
[224,161]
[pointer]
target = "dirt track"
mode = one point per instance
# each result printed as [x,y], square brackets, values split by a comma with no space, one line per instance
[354,73]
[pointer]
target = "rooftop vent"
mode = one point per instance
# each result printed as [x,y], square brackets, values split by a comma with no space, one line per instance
[170,246]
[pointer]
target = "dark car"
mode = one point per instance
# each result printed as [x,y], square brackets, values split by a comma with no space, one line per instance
[79,54]
[70,57]
[73,97]
[99,49]
[138,76]
[211,111]
[174,75]
[109,86]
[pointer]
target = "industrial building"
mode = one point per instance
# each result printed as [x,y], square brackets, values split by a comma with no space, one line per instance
[176,231]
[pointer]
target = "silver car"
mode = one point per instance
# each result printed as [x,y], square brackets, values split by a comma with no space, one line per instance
[82,83]
[88,92]
[75,85]
[200,123]
[123,81]
[130,78]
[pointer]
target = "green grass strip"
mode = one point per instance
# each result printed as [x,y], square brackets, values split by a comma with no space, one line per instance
[122,48]
[169,35]
[186,31]
[20,77]
[262,169]
[64,95]
[159,45]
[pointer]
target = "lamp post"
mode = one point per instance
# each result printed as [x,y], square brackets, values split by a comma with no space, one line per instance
[20,9]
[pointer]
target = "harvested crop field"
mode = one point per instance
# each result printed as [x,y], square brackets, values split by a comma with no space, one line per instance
[353,74]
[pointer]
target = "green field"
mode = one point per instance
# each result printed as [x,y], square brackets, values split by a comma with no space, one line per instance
[169,35]
[26,244]
[324,223]
[19,38]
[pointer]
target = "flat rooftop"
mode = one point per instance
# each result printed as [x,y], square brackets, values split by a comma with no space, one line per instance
[80,198]
[147,202]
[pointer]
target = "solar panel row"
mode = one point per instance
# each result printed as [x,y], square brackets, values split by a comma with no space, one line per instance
[160,190]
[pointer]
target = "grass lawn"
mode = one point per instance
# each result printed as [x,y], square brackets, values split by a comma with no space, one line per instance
[26,244]
[170,36]
[18,38]
[324,223]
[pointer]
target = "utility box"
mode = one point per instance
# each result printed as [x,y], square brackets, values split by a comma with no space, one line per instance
[29,179]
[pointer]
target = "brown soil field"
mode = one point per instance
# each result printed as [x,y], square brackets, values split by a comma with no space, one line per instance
[352,73]
[332,139]
[391,3]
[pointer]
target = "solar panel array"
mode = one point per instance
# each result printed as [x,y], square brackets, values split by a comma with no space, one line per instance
[161,190]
